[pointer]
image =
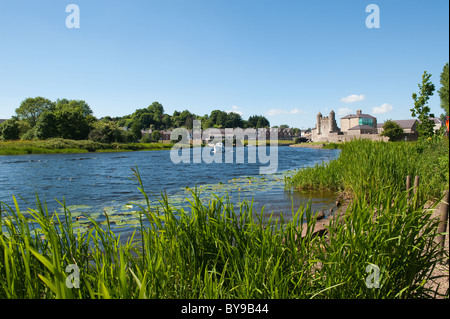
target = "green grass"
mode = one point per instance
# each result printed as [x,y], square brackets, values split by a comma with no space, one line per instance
[217,250]
[58,145]
[365,167]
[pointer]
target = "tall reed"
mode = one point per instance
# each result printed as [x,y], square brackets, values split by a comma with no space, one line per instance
[368,166]
[216,249]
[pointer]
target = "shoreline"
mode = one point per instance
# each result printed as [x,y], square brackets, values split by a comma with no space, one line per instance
[309,145]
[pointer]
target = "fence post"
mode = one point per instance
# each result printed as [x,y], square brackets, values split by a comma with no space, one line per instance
[416,185]
[443,219]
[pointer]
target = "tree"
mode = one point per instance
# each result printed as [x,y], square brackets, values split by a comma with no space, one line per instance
[392,130]
[262,122]
[104,132]
[47,126]
[233,120]
[74,119]
[156,107]
[421,109]
[443,91]
[258,121]
[156,136]
[31,108]
[9,130]
[136,130]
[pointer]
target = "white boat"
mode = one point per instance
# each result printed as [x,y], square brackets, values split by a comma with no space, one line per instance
[218,148]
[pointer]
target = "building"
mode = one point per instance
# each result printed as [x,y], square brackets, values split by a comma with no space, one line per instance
[326,127]
[408,126]
[359,123]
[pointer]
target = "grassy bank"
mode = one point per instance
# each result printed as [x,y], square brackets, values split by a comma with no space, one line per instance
[57,145]
[365,167]
[215,250]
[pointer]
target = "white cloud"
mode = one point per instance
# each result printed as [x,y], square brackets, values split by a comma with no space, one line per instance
[236,110]
[353,98]
[384,108]
[274,112]
[344,111]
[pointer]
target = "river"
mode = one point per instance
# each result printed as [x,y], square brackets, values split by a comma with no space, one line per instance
[93,183]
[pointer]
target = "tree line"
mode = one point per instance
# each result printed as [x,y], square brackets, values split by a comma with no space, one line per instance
[39,118]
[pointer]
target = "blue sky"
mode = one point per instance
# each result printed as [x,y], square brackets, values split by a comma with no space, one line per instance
[286,60]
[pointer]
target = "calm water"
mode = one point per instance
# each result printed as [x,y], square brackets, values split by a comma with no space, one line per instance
[100,181]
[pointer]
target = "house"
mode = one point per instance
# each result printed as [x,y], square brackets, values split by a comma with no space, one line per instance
[359,123]
[408,126]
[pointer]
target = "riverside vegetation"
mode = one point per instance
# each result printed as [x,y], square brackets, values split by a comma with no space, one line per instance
[218,250]
[59,145]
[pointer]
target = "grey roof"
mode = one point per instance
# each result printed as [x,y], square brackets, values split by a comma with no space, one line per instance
[362,127]
[351,116]
[404,124]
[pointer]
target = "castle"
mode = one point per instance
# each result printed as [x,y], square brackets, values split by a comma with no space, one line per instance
[353,125]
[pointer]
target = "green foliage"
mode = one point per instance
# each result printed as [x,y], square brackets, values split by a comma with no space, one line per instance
[217,250]
[47,126]
[58,145]
[392,130]
[31,108]
[364,166]
[156,136]
[73,119]
[443,91]
[105,132]
[258,121]
[9,130]
[146,138]
[421,109]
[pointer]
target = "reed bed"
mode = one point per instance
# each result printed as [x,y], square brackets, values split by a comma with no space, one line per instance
[218,250]
[366,167]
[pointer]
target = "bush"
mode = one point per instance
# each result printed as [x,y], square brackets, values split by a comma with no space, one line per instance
[9,130]
[392,130]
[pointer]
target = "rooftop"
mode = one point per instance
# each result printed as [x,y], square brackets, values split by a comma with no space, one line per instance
[362,127]
[404,124]
[351,116]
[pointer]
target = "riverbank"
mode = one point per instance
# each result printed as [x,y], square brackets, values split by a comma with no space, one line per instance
[384,164]
[56,146]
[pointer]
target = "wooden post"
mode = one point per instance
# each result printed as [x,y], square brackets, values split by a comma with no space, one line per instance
[443,219]
[416,184]
[408,182]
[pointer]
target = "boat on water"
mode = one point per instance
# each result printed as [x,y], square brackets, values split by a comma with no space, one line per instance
[218,148]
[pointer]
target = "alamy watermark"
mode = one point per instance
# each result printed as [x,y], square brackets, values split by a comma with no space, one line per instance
[373,19]
[73,19]
[373,279]
[73,279]
[221,148]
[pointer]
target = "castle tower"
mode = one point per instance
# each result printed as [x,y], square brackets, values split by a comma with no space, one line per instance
[333,124]
[319,123]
